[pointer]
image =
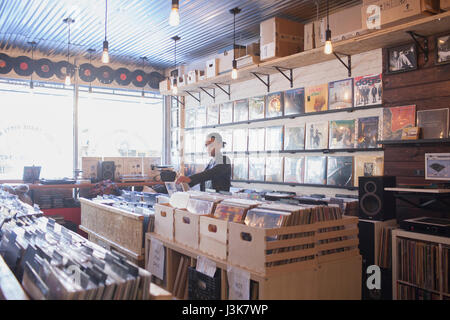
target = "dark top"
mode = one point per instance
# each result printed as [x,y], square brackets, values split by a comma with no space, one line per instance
[218,174]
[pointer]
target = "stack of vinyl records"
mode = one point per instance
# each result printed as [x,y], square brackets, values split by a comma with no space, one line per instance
[45,201]
[58,201]
[203,203]
[234,209]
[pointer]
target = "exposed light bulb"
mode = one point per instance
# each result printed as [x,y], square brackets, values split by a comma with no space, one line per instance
[234,73]
[174,18]
[175,89]
[105,55]
[328,47]
[67,82]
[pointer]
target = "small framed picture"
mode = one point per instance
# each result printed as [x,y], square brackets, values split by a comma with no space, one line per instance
[402,58]
[443,49]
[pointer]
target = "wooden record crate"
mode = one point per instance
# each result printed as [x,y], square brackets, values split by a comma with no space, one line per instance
[187,228]
[213,234]
[164,220]
[273,251]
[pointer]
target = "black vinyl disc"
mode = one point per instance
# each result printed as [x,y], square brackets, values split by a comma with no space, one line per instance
[5,63]
[44,68]
[63,68]
[139,78]
[87,72]
[23,66]
[105,74]
[122,76]
[154,78]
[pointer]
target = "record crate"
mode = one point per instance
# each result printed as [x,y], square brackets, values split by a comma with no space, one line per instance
[203,287]
[187,228]
[294,248]
[164,220]
[213,234]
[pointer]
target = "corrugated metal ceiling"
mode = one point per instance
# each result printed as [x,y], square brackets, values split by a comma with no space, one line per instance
[138,28]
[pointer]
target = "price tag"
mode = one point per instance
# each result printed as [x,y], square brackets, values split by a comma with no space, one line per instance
[206,266]
[239,284]
[156,259]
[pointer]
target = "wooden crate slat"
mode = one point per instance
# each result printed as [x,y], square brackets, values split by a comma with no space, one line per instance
[290,255]
[336,256]
[289,242]
[337,245]
[335,234]
[291,267]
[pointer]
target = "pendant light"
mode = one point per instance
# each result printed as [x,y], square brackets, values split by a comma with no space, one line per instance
[105,55]
[143,66]
[67,82]
[91,51]
[234,73]
[174,85]
[328,49]
[33,47]
[174,18]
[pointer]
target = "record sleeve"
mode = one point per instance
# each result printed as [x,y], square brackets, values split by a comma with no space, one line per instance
[368,132]
[294,169]
[368,166]
[294,137]
[368,90]
[340,94]
[264,218]
[316,136]
[342,134]
[316,98]
[200,117]
[433,123]
[274,105]
[199,206]
[274,169]
[226,112]
[294,102]
[212,115]
[230,213]
[395,119]
[257,107]
[274,138]
[240,110]
[437,166]
[256,139]
[240,140]
[256,168]
[315,170]
[190,117]
[340,171]
[240,168]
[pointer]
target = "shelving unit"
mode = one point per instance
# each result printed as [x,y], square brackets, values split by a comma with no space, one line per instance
[296,184]
[284,152]
[418,142]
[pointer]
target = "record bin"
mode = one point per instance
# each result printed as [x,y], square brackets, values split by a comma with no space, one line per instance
[164,220]
[203,287]
[187,227]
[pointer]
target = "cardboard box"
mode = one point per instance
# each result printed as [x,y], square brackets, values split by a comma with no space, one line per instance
[89,167]
[182,81]
[225,58]
[164,85]
[201,75]
[147,166]
[346,24]
[214,237]
[132,166]
[211,68]
[187,226]
[164,221]
[383,13]
[119,164]
[308,42]
[280,38]
[253,49]
[445,4]
[247,61]
[192,77]
[320,26]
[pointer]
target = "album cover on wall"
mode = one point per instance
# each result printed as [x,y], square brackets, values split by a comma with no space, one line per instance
[294,137]
[256,168]
[342,134]
[294,102]
[256,139]
[226,112]
[368,90]
[395,119]
[316,136]
[368,166]
[368,132]
[437,166]
[274,105]
[212,115]
[433,123]
[294,169]
[340,171]
[240,168]
[316,98]
[227,138]
[240,140]
[274,138]
[190,118]
[240,110]
[340,94]
[316,170]
[257,107]
[274,169]
[200,117]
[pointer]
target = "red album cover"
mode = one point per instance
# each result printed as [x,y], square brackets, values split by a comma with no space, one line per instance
[396,119]
[229,213]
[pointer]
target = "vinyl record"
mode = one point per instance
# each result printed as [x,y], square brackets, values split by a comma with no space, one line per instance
[23,66]
[87,72]
[62,68]
[122,76]
[44,68]
[154,78]
[105,74]
[5,63]
[139,78]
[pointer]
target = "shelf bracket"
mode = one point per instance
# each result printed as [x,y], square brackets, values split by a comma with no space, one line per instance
[425,50]
[179,101]
[226,92]
[198,99]
[290,77]
[209,94]
[267,84]
[347,65]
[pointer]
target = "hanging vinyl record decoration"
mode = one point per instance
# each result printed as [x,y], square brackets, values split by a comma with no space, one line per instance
[5,63]
[122,76]
[139,78]
[44,68]
[23,66]
[154,78]
[87,72]
[63,68]
[105,74]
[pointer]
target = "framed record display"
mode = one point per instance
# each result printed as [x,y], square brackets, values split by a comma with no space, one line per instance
[23,66]
[395,119]
[274,138]
[240,140]
[401,58]
[139,78]
[340,94]
[87,72]
[294,169]
[342,134]
[44,68]
[122,76]
[294,137]
[256,139]
[212,115]
[437,166]
[274,105]
[433,123]
[226,112]
[368,132]
[443,49]
[316,136]
[368,90]
[200,117]
[105,74]
[257,107]
[256,168]
[340,171]
[367,166]
[240,112]
[316,170]
[240,168]
[6,64]
[294,102]
[316,98]
[274,169]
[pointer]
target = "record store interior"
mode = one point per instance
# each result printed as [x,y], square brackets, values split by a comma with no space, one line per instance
[224,150]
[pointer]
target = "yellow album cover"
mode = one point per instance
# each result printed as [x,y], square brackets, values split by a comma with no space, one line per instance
[368,166]
[317,98]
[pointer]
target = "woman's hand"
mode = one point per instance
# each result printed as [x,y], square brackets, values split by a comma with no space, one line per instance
[183,179]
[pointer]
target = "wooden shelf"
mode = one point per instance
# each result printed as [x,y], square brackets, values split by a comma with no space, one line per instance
[296,184]
[372,40]
[414,142]
[324,151]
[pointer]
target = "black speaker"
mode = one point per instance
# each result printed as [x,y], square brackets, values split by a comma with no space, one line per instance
[374,202]
[105,170]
